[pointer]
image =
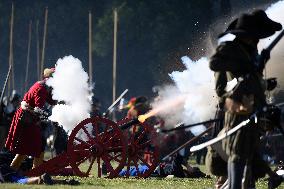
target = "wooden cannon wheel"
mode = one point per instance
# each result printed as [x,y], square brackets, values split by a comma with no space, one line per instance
[141,148]
[97,145]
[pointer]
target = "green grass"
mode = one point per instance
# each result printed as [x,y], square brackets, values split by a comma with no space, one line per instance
[134,183]
[119,183]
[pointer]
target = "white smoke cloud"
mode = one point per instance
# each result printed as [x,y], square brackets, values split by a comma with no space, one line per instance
[275,66]
[70,85]
[196,83]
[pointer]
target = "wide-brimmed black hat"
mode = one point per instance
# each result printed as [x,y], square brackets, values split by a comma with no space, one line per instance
[256,25]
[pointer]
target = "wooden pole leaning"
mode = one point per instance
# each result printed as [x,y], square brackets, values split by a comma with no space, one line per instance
[28,55]
[37,51]
[114,59]
[90,50]
[114,54]
[44,40]
[11,83]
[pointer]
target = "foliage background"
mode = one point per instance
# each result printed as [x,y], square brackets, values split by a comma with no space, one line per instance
[152,37]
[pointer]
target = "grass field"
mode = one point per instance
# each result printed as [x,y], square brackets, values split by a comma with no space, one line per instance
[132,183]
[88,183]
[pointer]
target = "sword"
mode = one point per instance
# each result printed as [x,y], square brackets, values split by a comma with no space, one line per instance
[233,130]
[224,135]
[114,103]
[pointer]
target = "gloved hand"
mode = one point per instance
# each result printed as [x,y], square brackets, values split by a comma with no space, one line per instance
[274,181]
[264,57]
[271,83]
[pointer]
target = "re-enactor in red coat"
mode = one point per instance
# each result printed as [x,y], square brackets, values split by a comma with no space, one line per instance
[25,140]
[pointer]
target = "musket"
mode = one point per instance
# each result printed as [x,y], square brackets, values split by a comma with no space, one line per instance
[182,126]
[274,42]
[268,49]
[5,83]
[188,142]
[114,103]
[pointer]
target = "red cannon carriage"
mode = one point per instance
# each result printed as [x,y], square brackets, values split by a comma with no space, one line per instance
[98,145]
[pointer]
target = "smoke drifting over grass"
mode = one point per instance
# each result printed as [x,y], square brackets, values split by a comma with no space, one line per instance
[70,85]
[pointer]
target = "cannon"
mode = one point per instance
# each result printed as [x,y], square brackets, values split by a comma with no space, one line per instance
[100,147]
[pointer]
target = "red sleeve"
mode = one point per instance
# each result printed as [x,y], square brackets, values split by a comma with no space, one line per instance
[40,97]
[49,99]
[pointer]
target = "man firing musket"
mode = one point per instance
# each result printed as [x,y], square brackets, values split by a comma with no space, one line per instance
[239,59]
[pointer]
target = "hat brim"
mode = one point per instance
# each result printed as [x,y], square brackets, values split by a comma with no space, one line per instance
[243,33]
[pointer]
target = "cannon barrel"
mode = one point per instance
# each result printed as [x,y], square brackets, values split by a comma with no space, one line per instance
[129,124]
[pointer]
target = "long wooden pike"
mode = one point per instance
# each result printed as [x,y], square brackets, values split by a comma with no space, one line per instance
[44,40]
[5,83]
[90,50]
[11,83]
[28,55]
[37,51]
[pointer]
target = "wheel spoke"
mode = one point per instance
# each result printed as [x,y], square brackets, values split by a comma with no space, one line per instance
[84,159]
[112,149]
[108,165]
[96,126]
[91,165]
[87,133]
[140,136]
[112,137]
[79,140]
[99,167]
[106,132]
[131,137]
[116,157]
[80,149]
[104,136]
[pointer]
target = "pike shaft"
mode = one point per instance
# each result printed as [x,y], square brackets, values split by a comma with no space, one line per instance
[5,84]
[118,99]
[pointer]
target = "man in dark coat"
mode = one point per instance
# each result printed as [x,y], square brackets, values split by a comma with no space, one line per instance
[239,59]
